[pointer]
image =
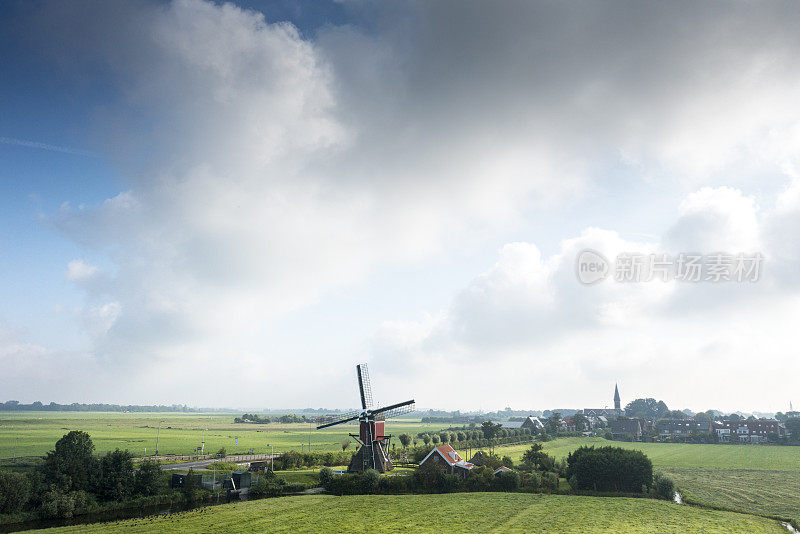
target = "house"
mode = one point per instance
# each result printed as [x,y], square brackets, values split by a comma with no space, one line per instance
[681,428]
[500,469]
[531,423]
[622,428]
[748,431]
[446,457]
[608,413]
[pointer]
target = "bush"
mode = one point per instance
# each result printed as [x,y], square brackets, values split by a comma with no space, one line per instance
[325,476]
[147,480]
[549,482]
[479,479]
[15,492]
[393,485]
[267,485]
[346,484]
[506,481]
[610,469]
[663,487]
[369,480]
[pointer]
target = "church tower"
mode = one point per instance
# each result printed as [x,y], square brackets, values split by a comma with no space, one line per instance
[617,406]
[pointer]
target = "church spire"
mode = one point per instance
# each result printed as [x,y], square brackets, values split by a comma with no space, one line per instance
[617,406]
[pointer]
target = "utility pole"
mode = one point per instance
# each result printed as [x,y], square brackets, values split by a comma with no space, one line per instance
[158,432]
[203,446]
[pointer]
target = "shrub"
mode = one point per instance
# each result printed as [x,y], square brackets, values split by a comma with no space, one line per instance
[549,482]
[147,480]
[663,487]
[325,476]
[267,485]
[369,480]
[15,491]
[393,485]
[610,469]
[506,481]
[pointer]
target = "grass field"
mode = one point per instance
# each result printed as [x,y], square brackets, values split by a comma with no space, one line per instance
[36,432]
[756,491]
[679,455]
[462,512]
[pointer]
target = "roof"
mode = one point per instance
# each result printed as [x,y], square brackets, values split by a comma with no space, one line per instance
[511,424]
[450,456]
[501,469]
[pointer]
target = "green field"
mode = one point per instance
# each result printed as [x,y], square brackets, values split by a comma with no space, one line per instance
[679,455]
[756,491]
[460,512]
[36,432]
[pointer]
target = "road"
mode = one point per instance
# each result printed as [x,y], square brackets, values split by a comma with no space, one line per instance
[201,464]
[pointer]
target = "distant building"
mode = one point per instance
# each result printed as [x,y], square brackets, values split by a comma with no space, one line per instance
[681,428]
[446,457]
[531,422]
[500,469]
[748,431]
[608,413]
[622,428]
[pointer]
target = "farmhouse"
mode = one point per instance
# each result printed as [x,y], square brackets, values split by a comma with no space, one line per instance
[531,422]
[445,456]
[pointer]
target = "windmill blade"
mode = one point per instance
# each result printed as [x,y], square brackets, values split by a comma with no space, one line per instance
[338,419]
[394,410]
[364,387]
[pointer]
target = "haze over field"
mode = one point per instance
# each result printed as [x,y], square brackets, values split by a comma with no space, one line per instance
[232,204]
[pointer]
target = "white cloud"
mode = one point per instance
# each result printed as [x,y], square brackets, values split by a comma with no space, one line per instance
[79,270]
[268,170]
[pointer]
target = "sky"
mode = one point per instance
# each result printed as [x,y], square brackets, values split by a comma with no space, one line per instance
[232,204]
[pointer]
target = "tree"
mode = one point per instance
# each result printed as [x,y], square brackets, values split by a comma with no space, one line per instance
[490,430]
[435,438]
[793,428]
[345,444]
[554,423]
[115,482]
[426,438]
[580,422]
[148,478]
[15,491]
[534,457]
[609,469]
[675,414]
[648,408]
[444,436]
[405,440]
[71,465]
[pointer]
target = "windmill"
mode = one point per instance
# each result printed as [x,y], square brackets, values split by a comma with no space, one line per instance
[373,453]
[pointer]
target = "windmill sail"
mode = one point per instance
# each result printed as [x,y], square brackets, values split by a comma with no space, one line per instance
[364,387]
[337,419]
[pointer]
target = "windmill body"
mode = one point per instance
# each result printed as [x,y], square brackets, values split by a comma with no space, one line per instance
[373,452]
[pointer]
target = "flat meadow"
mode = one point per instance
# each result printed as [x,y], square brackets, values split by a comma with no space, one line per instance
[459,512]
[35,433]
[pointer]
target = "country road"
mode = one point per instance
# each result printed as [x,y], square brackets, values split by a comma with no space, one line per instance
[200,464]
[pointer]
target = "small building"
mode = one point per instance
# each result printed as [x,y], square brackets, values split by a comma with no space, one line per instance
[500,469]
[622,428]
[531,422]
[446,457]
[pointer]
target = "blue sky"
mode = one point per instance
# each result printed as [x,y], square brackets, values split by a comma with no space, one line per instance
[300,186]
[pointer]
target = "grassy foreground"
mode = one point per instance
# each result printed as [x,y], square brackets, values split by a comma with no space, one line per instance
[462,512]
[755,491]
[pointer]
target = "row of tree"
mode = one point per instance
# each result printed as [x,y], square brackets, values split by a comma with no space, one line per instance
[72,477]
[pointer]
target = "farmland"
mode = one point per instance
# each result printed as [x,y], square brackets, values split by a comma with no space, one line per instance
[464,512]
[755,491]
[36,432]
[679,455]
